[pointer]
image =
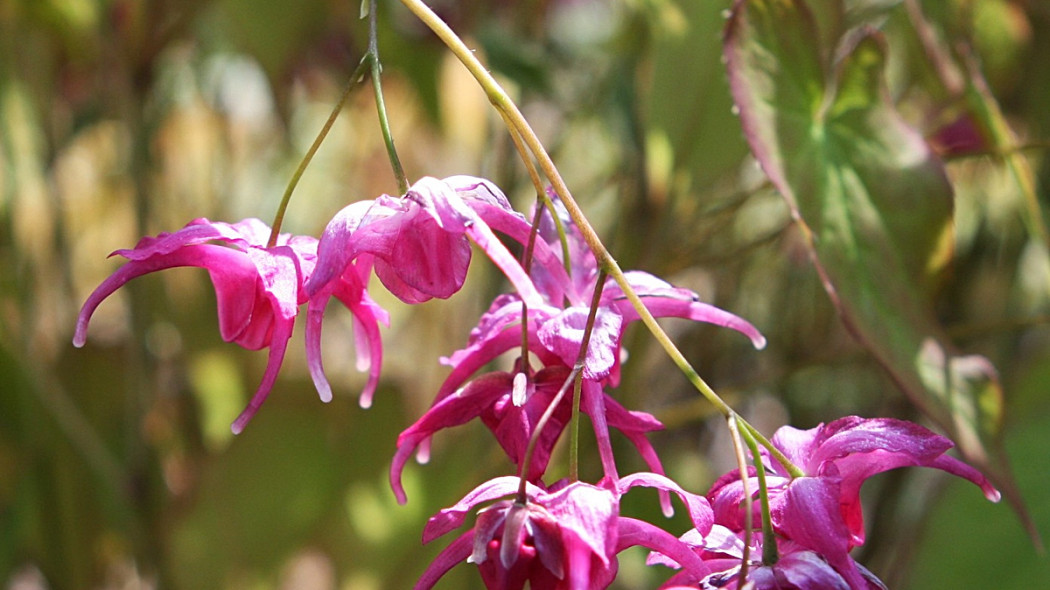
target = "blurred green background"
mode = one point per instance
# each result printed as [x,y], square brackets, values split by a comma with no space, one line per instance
[122,118]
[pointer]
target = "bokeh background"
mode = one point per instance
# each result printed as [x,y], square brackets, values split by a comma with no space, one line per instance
[122,118]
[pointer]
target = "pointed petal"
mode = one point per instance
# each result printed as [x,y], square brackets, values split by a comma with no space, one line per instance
[454,516]
[665,300]
[232,273]
[700,512]
[634,532]
[451,556]
[315,311]
[456,409]
[282,333]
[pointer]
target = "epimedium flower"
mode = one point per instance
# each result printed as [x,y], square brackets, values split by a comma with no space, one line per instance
[491,397]
[554,336]
[821,511]
[562,538]
[419,243]
[258,288]
[419,247]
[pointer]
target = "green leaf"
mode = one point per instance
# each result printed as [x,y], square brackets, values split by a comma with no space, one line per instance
[874,203]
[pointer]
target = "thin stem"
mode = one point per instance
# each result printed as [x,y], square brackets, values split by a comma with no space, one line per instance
[377,88]
[577,390]
[369,61]
[541,195]
[278,219]
[516,121]
[741,462]
[540,425]
[769,539]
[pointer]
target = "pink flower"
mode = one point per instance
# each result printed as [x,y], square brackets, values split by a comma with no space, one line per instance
[418,243]
[565,538]
[822,511]
[491,398]
[419,248]
[258,289]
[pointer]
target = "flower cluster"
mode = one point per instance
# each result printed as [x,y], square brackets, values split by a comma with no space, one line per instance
[563,324]
[816,517]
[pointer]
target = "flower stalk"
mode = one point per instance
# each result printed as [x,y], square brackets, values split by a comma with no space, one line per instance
[769,539]
[369,62]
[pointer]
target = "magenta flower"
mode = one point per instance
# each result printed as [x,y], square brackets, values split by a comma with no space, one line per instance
[258,289]
[822,511]
[565,538]
[491,398]
[419,243]
[419,248]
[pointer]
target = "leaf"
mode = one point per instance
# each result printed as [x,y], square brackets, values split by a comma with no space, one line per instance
[874,203]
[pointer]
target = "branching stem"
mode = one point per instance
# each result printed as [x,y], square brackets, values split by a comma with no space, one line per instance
[370,62]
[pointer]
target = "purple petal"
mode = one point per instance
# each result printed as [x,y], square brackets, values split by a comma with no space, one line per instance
[700,512]
[664,300]
[336,250]
[458,408]
[282,332]
[454,516]
[563,336]
[589,513]
[456,553]
[808,513]
[960,469]
[593,404]
[805,569]
[232,274]
[632,532]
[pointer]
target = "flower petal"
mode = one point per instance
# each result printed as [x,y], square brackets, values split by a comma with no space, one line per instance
[454,516]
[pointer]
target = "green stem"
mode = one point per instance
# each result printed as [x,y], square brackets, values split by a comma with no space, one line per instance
[540,425]
[309,156]
[577,389]
[769,539]
[377,88]
[369,61]
[516,121]
[741,462]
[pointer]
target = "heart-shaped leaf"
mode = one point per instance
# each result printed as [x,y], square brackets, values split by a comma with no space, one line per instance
[873,201]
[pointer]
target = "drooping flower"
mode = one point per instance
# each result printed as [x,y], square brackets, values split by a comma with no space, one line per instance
[822,511]
[258,289]
[491,398]
[565,538]
[418,246]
